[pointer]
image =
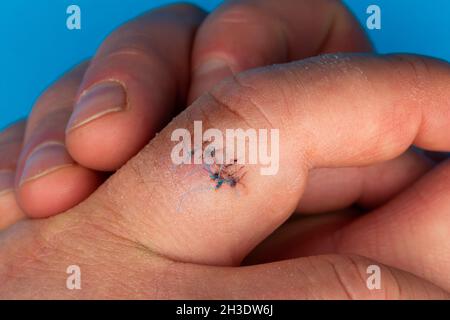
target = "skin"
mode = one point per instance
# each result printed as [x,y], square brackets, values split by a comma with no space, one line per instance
[160,77]
[135,243]
[135,59]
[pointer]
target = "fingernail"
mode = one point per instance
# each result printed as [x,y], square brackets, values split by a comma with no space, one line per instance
[6,181]
[101,99]
[46,158]
[216,66]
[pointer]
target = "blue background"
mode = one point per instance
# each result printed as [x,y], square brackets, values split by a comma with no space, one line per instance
[36,46]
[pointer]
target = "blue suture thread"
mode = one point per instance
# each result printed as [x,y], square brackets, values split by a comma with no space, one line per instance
[218,178]
[215,176]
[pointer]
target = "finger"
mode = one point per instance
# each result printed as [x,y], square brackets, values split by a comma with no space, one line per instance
[48,180]
[132,87]
[329,189]
[320,277]
[332,111]
[302,236]
[10,146]
[241,35]
[246,34]
[411,232]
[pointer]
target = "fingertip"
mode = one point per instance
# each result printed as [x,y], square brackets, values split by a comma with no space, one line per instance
[132,87]
[10,212]
[106,144]
[57,191]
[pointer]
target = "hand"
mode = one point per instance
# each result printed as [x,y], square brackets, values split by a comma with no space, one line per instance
[141,77]
[353,183]
[131,239]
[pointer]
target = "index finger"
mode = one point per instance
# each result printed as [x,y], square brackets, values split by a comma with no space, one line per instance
[331,111]
[132,87]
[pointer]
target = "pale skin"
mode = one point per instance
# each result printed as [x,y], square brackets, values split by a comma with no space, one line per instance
[346,122]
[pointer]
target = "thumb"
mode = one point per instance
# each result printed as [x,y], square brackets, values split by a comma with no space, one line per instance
[332,111]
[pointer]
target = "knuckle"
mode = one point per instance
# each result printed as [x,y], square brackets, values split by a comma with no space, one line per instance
[418,72]
[243,99]
[418,65]
[240,13]
[349,273]
[135,49]
[130,59]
